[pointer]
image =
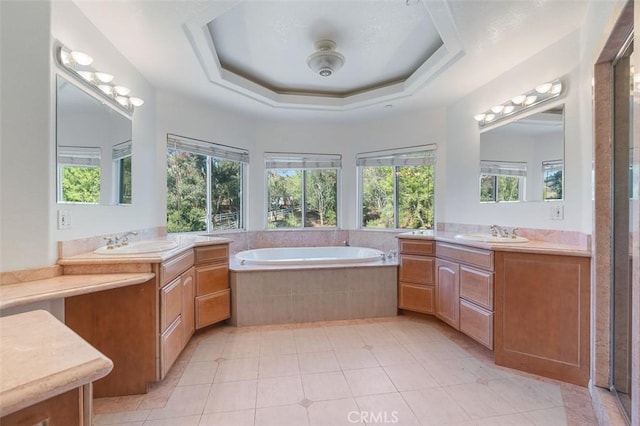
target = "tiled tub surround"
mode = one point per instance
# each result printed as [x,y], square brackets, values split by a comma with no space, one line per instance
[295,294]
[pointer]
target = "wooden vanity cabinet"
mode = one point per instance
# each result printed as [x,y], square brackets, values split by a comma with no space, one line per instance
[66,409]
[464,290]
[543,313]
[212,293]
[416,291]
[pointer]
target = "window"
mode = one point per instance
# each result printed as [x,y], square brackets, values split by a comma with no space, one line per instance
[205,184]
[397,188]
[302,190]
[502,181]
[79,173]
[121,156]
[552,172]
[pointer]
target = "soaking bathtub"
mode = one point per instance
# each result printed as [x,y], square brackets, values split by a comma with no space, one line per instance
[309,255]
[303,284]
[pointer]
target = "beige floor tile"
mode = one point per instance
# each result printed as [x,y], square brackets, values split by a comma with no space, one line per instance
[278,366]
[526,394]
[207,352]
[368,381]
[411,376]
[277,345]
[198,373]
[312,343]
[434,407]
[350,359]
[436,350]
[391,354]
[508,420]
[333,413]
[381,338]
[237,369]
[448,372]
[232,396]
[184,401]
[548,417]
[386,409]
[279,391]
[344,337]
[116,404]
[121,417]
[324,386]
[309,332]
[479,401]
[242,349]
[279,416]
[317,362]
[177,421]
[229,418]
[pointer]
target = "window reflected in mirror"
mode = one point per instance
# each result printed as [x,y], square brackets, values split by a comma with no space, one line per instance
[524,160]
[94,160]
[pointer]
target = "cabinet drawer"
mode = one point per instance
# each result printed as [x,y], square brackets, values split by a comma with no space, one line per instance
[217,253]
[417,298]
[476,323]
[419,247]
[213,308]
[170,303]
[471,256]
[171,342]
[210,279]
[175,266]
[477,286]
[416,269]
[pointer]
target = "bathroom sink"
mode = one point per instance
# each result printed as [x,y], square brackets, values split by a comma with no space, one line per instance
[488,238]
[140,247]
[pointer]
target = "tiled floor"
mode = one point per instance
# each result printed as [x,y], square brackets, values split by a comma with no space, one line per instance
[401,370]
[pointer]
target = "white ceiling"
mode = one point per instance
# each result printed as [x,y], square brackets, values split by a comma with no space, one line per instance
[493,35]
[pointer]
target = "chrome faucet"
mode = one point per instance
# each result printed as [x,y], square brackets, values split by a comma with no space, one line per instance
[123,240]
[497,230]
[345,243]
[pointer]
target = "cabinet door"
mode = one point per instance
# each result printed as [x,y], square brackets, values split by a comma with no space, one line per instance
[171,344]
[211,279]
[416,269]
[448,292]
[477,286]
[417,298]
[170,303]
[213,308]
[476,323]
[188,305]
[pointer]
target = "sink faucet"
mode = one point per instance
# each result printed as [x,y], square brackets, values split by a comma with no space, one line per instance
[123,240]
[497,230]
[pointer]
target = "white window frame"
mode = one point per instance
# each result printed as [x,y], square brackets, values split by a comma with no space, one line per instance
[552,165]
[302,161]
[508,169]
[410,156]
[77,156]
[223,152]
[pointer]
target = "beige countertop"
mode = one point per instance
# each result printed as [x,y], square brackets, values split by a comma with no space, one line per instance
[29,374]
[533,246]
[185,242]
[65,286]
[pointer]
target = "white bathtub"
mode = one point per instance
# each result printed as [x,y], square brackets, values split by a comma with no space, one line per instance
[308,255]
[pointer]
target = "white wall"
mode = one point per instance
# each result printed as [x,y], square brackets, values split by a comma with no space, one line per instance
[463,137]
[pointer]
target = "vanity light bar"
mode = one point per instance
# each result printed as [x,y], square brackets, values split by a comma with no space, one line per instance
[79,65]
[520,103]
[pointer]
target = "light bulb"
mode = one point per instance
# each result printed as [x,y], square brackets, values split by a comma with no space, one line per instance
[106,89]
[121,90]
[517,100]
[104,77]
[508,109]
[479,117]
[87,75]
[81,58]
[497,109]
[543,88]
[530,99]
[65,57]
[489,117]
[557,88]
[123,100]
[136,101]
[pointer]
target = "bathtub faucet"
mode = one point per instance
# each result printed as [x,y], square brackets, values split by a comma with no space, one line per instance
[392,254]
[345,243]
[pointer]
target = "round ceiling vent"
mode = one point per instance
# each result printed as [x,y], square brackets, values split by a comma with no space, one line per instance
[325,60]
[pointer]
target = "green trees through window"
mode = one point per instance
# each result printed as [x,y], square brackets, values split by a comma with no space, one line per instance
[80,184]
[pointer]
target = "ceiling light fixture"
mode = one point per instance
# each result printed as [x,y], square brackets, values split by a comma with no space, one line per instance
[521,103]
[325,60]
[78,65]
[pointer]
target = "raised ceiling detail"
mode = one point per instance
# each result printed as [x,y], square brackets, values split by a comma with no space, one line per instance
[260,49]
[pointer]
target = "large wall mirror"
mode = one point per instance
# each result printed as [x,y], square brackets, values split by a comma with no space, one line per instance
[524,160]
[94,148]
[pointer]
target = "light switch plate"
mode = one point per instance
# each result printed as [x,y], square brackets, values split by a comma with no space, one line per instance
[557,212]
[64,219]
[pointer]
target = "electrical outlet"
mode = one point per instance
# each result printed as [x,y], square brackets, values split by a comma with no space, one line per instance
[557,213]
[64,219]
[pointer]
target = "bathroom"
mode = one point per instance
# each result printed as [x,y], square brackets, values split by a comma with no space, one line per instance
[29,217]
